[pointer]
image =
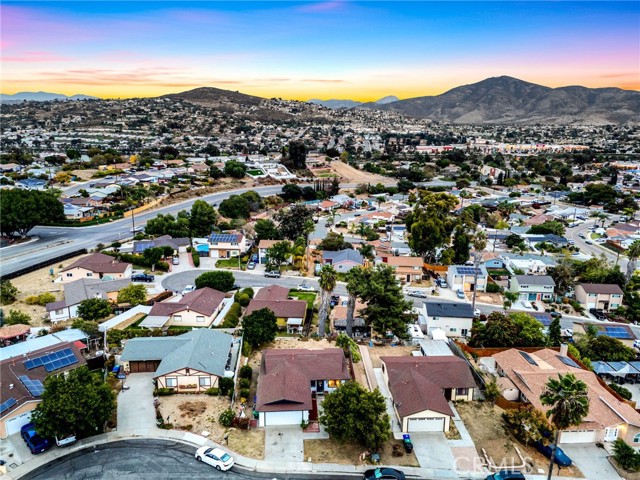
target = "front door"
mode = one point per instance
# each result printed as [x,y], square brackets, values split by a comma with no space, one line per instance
[610,434]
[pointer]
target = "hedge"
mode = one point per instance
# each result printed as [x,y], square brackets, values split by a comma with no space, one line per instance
[196,258]
[232,318]
[493,288]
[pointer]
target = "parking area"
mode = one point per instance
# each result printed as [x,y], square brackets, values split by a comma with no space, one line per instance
[14,451]
[591,460]
[433,451]
[135,405]
[284,442]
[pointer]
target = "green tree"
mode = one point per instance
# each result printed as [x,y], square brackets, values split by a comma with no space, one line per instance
[404,186]
[279,253]
[353,414]
[220,280]
[235,169]
[133,294]
[153,256]
[605,348]
[291,192]
[498,331]
[260,327]
[90,328]
[16,317]
[78,402]
[297,154]
[8,292]
[356,278]
[529,331]
[528,424]
[236,206]
[461,242]
[203,219]
[564,276]
[93,309]
[568,398]
[266,230]
[633,252]
[333,242]
[169,225]
[550,226]
[21,210]
[293,222]
[327,282]
[555,333]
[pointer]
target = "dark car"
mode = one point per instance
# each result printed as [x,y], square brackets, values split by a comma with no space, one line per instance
[35,442]
[559,458]
[383,473]
[142,277]
[506,475]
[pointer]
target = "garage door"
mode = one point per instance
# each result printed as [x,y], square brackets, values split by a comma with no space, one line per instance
[426,424]
[143,366]
[282,418]
[578,436]
[13,425]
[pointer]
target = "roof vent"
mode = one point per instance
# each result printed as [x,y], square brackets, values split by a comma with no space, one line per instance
[11,386]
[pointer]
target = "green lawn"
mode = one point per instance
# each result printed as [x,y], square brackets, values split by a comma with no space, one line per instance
[229,263]
[255,172]
[308,297]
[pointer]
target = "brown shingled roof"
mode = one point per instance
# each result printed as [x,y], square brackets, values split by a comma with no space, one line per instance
[601,288]
[99,263]
[204,300]
[281,308]
[272,292]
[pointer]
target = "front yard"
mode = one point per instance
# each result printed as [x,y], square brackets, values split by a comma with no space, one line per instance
[230,263]
[332,451]
[308,297]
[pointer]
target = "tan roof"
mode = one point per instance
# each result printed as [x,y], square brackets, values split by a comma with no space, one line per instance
[99,263]
[10,331]
[339,312]
[601,288]
[604,409]
[268,243]
[281,308]
[405,261]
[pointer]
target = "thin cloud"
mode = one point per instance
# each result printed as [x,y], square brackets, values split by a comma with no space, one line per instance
[321,7]
[35,57]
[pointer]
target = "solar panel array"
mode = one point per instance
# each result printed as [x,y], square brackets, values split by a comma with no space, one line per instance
[53,361]
[615,332]
[567,361]
[7,404]
[223,237]
[543,318]
[528,358]
[468,270]
[35,387]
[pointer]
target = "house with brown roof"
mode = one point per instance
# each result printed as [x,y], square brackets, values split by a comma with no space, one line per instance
[96,265]
[290,314]
[422,387]
[338,318]
[272,292]
[263,247]
[608,419]
[408,269]
[599,295]
[195,309]
[291,380]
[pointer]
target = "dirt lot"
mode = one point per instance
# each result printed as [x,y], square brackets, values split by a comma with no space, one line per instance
[201,412]
[376,352]
[351,175]
[484,423]
[494,298]
[332,451]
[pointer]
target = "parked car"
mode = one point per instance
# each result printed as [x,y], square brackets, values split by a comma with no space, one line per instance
[526,304]
[477,313]
[460,294]
[254,258]
[506,475]
[35,442]
[567,332]
[65,441]
[383,473]
[588,242]
[335,299]
[251,266]
[137,229]
[555,314]
[371,209]
[600,241]
[188,288]
[216,457]
[442,283]
[306,288]
[417,293]
[272,274]
[142,277]
[559,457]
[175,260]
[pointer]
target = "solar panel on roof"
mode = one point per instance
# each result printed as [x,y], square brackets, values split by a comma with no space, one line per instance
[6,405]
[567,361]
[53,361]
[528,358]
[35,387]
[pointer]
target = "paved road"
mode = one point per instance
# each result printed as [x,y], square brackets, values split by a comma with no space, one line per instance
[594,249]
[133,460]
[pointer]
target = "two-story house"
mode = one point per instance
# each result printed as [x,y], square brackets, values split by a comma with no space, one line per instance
[290,381]
[463,277]
[96,265]
[263,249]
[532,287]
[221,245]
[599,295]
[408,269]
[454,319]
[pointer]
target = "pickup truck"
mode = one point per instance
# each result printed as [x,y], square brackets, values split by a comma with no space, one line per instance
[65,441]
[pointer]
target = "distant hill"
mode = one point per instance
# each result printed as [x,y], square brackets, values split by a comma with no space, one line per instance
[215,97]
[41,97]
[335,104]
[509,100]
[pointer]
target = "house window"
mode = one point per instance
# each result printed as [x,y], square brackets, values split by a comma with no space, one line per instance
[69,275]
[200,318]
[462,391]
[453,329]
[332,383]
[636,439]
[59,312]
[89,274]
[172,382]
[177,318]
[205,381]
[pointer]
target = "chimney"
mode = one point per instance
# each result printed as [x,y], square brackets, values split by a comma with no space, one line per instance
[564,349]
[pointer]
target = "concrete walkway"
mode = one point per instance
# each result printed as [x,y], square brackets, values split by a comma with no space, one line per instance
[135,406]
[368,367]
[382,386]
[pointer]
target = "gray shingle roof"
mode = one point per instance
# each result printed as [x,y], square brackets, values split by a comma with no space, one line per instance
[342,255]
[535,280]
[437,309]
[76,292]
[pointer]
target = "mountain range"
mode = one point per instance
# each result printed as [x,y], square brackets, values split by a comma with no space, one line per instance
[335,104]
[502,100]
[41,97]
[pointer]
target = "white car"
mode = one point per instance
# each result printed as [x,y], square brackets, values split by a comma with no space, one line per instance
[137,229]
[526,304]
[188,289]
[567,332]
[477,313]
[417,293]
[306,288]
[216,457]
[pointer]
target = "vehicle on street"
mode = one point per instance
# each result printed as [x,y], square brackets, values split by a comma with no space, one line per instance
[636,344]
[598,313]
[142,277]
[460,294]
[559,457]
[357,214]
[442,283]
[272,274]
[506,475]
[251,266]
[306,288]
[371,209]
[216,457]
[35,442]
[175,261]
[526,304]
[477,313]
[137,229]
[555,314]
[600,241]
[383,473]
[582,235]
[188,289]
[567,332]
[417,293]
[588,242]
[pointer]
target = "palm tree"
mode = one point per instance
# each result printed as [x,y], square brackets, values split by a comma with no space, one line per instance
[479,244]
[569,401]
[367,251]
[506,208]
[463,196]
[327,282]
[633,252]
[355,279]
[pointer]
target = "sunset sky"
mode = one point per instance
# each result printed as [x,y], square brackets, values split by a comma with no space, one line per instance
[301,50]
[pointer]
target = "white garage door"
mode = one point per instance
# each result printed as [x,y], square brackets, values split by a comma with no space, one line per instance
[579,436]
[13,425]
[426,424]
[282,418]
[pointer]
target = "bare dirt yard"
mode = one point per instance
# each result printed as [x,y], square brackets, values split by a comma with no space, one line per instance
[332,451]
[198,413]
[85,174]
[351,175]
[484,423]
[493,298]
[376,352]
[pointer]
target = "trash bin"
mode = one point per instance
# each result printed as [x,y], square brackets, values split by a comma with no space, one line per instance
[408,445]
[256,415]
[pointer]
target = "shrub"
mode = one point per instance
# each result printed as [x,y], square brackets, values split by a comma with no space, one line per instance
[623,392]
[491,391]
[213,391]
[242,298]
[225,385]
[16,317]
[226,418]
[493,288]
[246,372]
[163,392]
[246,349]
[41,299]
[248,291]
[196,258]
[232,318]
[244,383]
[8,292]
[626,455]
[244,393]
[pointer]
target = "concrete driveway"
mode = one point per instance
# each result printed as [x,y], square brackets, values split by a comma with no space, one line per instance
[284,443]
[135,406]
[433,451]
[591,460]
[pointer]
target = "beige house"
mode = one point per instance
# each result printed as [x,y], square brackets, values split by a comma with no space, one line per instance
[97,265]
[608,419]
[195,309]
[222,245]
[408,269]
[422,387]
[601,296]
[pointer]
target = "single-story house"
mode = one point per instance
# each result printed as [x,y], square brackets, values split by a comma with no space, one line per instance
[608,417]
[73,212]
[599,295]
[189,363]
[408,269]
[338,319]
[342,260]
[462,277]
[422,387]
[10,334]
[290,314]
[263,247]
[195,309]
[290,381]
[532,287]
[179,244]
[455,319]
[528,263]
[96,265]
[77,291]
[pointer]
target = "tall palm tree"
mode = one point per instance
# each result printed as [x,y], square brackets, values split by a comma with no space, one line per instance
[633,252]
[569,401]
[355,279]
[327,282]
[479,244]
[367,251]
[463,196]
